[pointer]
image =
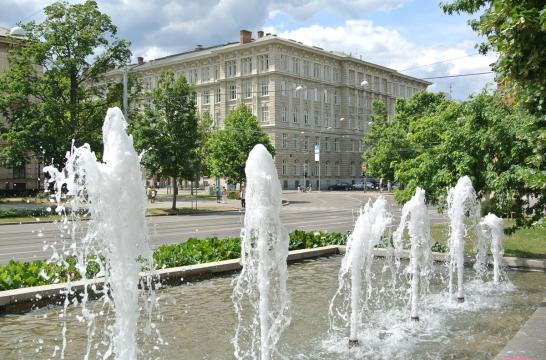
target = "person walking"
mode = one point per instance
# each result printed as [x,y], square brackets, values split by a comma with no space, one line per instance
[149,192]
[242,196]
[218,194]
[154,194]
[389,186]
[224,194]
[381,185]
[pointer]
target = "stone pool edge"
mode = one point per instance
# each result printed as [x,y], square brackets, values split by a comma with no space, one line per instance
[26,299]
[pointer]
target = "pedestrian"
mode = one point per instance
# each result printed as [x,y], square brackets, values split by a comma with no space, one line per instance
[224,194]
[242,196]
[149,192]
[154,194]
[381,185]
[218,194]
[389,186]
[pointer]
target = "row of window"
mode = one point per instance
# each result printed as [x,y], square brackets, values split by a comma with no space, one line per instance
[306,68]
[247,65]
[325,169]
[353,145]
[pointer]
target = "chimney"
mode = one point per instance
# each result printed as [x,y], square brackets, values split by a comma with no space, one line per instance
[246,36]
[140,60]
[260,34]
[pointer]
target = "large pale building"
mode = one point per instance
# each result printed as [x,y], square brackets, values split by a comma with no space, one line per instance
[314,104]
[24,178]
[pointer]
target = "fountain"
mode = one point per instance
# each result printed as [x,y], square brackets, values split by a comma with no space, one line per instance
[114,193]
[355,269]
[462,204]
[260,296]
[420,266]
[490,228]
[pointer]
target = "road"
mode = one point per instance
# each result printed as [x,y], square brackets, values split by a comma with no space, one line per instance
[331,211]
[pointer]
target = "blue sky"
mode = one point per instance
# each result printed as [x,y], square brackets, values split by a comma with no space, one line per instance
[401,34]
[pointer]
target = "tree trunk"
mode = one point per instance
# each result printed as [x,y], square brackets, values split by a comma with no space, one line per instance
[175,193]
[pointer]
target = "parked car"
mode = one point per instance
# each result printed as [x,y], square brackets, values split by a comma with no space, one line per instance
[340,186]
[360,186]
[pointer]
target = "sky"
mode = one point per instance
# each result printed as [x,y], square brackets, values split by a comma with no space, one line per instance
[412,36]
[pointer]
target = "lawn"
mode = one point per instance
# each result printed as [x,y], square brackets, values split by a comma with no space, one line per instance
[525,242]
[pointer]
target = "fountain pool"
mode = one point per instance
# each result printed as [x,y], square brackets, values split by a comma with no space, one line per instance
[197,320]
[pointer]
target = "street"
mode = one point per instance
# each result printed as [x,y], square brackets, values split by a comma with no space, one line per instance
[331,211]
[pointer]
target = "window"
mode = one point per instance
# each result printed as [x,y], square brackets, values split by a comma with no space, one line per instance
[316,70]
[295,114]
[336,145]
[315,96]
[306,68]
[216,72]
[19,172]
[265,87]
[206,97]
[369,80]
[327,144]
[283,88]
[205,74]
[337,76]
[317,140]
[231,68]
[360,146]
[296,142]
[246,65]
[265,113]
[326,96]
[232,92]
[284,141]
[306,117]
[327,119]
[296,168]
[263,63]
[284,63]
[284,115]
[384,85]
[376,83]
[306,168]
[327,73]
[218,95]
[353,145]
[306,143]
[327,168]
[247,89]
[338,168]
[284,167]
[193,76]
[295,65]
[316,168]
[336,98]
[351,77]
[353,168]
[317,118]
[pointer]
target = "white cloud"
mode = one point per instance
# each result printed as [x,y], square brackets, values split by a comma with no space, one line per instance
[304,9]
[386,46]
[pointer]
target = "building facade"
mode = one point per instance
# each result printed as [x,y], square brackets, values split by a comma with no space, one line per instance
[24,178]
[314,104]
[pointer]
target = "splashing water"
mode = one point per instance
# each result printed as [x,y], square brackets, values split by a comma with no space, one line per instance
[348,303]
[260,296]
[114,193]
[420,266]
[462,204]
[490,228]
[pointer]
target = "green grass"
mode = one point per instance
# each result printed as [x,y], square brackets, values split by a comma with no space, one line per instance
[524,242]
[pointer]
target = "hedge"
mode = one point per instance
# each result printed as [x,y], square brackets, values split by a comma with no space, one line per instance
[193,251]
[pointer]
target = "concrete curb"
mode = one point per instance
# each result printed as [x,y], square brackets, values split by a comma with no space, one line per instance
[26,299]
[529,342]
[231,210]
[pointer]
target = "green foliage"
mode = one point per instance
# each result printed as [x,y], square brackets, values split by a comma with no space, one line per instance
[168,130]
[227,149]
[195,251]
[9,212]
[55,90]
[430,142]
[516,31]
[234,195]
[439,247]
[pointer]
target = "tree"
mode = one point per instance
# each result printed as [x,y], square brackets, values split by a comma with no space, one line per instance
[74,46]
[228,148]
[516,31]
[386,143]
[167,131]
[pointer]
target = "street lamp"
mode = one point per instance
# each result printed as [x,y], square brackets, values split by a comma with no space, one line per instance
[364,83]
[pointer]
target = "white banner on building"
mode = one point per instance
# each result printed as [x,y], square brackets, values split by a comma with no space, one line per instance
[317,152]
